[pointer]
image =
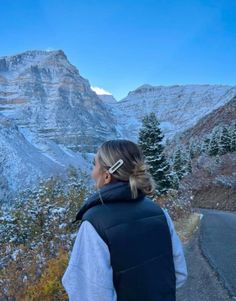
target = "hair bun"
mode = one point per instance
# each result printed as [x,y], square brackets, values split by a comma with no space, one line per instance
[140,178]
[134,168]
[139,169]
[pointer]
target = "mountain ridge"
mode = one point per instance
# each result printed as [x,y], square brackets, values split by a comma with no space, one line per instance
[51,94]
[54,113]
[177,107]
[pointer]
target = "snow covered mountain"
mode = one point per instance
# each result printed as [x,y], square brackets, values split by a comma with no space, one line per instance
[48,114]
[109,99]
[22,164]
[104,95]
[45,94]
[19,160]
[177,107]
[50,117]
[223,116]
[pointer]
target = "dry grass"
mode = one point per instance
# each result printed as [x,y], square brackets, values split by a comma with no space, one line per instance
[185,227]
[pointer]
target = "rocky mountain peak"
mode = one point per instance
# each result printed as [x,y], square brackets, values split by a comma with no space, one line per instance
[43,92]
[32,57]
[31,61]
[48,116]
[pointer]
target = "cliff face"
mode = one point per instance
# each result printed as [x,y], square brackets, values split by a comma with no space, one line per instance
[178,108]
[44,93]
[47,114]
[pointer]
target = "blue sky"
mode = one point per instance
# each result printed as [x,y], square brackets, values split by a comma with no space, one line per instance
[120,45]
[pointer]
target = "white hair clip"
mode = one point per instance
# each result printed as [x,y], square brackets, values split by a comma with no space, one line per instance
[115,166]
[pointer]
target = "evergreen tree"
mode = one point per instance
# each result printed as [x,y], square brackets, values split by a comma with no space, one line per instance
[189,166]
[233,138]
[150,138]
[182,163]
[188,160]
[194,149]
[179,164]
[205,146]
[225,142]
[214,145]
[175,180]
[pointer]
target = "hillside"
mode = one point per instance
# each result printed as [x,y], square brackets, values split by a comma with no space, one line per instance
[213,177]
[213,182]
[178,108]
[49,119]
[222,116]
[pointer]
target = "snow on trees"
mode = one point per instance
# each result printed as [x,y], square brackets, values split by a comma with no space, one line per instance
[233,138]
[150,141]
[225,142]
[214,143]
[182,162]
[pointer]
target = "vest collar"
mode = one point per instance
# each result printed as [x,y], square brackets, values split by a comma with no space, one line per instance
[111,193]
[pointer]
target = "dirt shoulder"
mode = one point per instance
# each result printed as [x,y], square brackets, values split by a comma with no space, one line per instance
[185,227]
[215,197]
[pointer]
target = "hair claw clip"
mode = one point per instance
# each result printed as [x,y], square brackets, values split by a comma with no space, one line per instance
[115,166]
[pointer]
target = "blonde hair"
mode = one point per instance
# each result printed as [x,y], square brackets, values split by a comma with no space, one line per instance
[133,170]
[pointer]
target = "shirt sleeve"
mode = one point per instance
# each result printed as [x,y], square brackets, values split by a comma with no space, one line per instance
[89,275]
[178,253]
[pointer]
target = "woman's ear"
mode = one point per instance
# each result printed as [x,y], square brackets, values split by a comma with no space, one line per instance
[107,178]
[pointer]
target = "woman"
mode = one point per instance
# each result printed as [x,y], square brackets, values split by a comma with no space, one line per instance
[126,248]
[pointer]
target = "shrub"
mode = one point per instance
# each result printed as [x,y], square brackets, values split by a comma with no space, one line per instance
[33,234]
[177,203]
[49,287]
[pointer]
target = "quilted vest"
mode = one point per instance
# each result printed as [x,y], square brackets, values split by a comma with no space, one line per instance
[138,237]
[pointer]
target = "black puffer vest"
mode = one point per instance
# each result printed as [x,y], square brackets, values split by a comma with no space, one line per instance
[138,237]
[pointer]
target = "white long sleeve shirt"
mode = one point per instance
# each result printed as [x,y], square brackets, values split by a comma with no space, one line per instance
[89,275]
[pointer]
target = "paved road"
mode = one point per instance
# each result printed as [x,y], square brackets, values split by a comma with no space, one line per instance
[204,283]
[218,244]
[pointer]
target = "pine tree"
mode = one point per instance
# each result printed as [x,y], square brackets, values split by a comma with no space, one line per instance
[194,149]
[205,146]
[192,152]
[175,180]
[179,164]
[233,138]
[189,166]
[214,145]
[150,138]
[188,160]
[225,142]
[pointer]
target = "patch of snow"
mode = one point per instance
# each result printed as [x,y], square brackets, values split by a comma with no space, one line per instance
[100,91]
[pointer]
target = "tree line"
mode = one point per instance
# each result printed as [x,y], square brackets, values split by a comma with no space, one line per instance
[168,172]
